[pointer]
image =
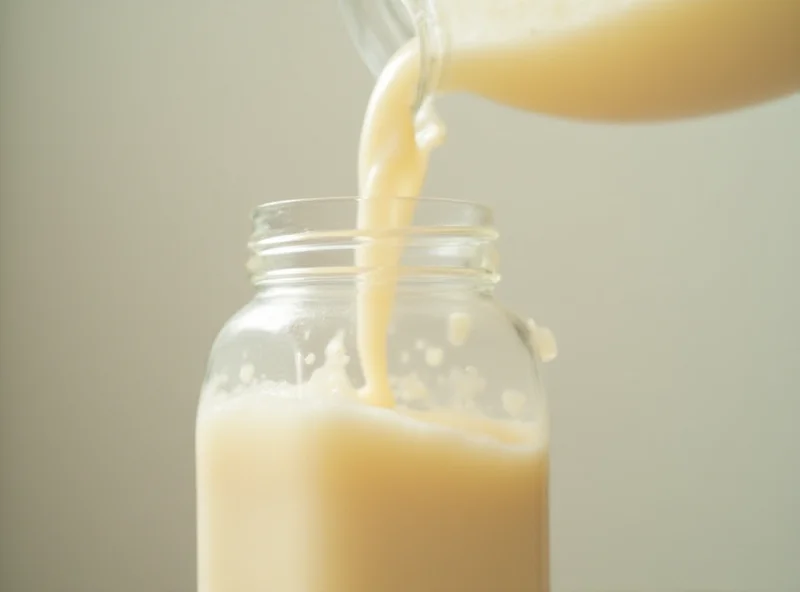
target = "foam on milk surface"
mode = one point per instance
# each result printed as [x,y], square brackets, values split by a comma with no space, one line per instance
[330,383]
[267,402]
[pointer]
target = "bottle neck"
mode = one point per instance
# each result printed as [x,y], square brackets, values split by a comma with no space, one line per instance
[432,40]
[380,28]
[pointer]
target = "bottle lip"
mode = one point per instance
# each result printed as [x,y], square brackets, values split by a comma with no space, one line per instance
[297,239]
[381,28]
[378,28]
[472,209]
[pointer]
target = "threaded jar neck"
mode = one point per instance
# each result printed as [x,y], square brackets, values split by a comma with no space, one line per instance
[315,240]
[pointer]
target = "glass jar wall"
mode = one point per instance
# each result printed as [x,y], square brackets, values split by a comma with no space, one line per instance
[303,485]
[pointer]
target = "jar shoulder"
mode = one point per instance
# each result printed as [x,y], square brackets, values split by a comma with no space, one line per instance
[439,348]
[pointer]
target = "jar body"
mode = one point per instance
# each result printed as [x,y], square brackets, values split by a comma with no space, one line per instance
[304,486]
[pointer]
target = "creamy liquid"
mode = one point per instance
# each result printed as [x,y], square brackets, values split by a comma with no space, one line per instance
[618,60]
[298,496]
[642,60]
[393,160]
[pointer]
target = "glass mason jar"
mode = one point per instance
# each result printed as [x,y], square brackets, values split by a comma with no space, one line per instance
[302,485]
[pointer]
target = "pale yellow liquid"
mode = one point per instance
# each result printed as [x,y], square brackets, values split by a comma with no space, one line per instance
[642,60]
[299,497]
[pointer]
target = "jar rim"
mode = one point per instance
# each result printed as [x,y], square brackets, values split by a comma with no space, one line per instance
[320,236]
[482,210]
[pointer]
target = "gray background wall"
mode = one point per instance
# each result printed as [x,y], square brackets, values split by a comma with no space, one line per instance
[136,136]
